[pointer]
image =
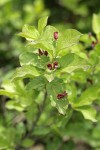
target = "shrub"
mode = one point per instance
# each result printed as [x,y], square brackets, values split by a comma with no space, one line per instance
[58,79]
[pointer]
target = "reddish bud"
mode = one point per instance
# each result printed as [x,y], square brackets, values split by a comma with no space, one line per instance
[40,52]
[61,95]
[49,66]
[94,43]
[46,53]
[55,65]
[55,35]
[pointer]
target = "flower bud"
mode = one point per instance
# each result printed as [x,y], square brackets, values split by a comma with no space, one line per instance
[61,95]
[55,65]
[55,35]
[94,43]
[40,52]
[49,66]
[45,53]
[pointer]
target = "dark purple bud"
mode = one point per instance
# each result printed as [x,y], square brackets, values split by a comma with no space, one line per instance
[49,66]
[94,43]
[40,52]
[46,53]
[61,95]
[55,65]
[55,35]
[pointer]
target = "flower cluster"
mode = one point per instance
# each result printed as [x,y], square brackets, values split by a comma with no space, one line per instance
[52,66]
[42,52]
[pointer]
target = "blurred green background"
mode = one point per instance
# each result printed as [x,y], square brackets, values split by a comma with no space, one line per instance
[62,14]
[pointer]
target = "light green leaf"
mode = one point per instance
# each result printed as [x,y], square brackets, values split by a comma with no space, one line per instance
[71,62]
[88,112]
[9,86]
[42,23]
[96,23]
[8,89]
[12,104]
[47,38]
[7,93]
[88,96]
[25,71]
[53,89]
[38,83]
[29,32]
[27,58]
[27,142]
[41,130]
[67,39]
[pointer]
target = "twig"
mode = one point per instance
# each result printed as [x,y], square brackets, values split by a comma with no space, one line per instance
[39,113]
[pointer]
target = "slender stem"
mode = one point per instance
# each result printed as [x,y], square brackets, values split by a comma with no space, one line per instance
[39,113]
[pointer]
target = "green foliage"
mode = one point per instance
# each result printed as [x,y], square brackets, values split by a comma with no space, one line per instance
[69,38]
[88,112]
[42,23]
[56,86]
[29,32]
[25,72]
[71,62]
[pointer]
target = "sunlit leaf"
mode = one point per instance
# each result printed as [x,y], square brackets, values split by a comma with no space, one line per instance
[29,32]
[42,23]
[67,39]
[88,112]
[71,62]
[25,71]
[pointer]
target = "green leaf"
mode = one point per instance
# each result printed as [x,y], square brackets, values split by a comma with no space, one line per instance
[13,105]
[47,38]
[27,142]
[88,112]
[27,58]
[25,71]
[41,130]
[80,76]
[29,32]
[8,89]
[71,62]
[53,89]
[67,39]
[88,96]
[9,86]
[7,93]
[42,23]
[96,23]
[38,83]
[6,138]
